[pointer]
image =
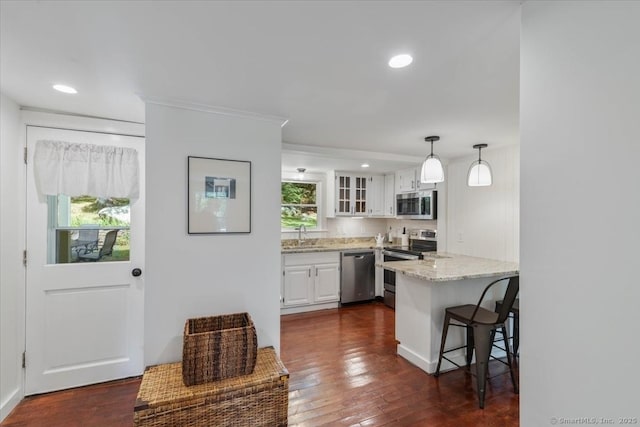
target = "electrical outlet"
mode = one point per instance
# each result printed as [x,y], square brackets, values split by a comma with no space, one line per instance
[460,238]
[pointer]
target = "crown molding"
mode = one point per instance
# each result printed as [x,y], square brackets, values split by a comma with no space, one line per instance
[194,106]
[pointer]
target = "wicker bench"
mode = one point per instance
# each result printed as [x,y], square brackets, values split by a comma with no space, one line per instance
[258,399]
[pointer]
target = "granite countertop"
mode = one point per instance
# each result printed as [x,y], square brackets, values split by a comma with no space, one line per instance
[444,267]
[291,246]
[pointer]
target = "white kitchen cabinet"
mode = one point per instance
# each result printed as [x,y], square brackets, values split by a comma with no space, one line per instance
[326,282]
[350,194]
[375,196]
[406,180]
[419,184]
[310,281]
[297,285]
[389,205]
[356,195]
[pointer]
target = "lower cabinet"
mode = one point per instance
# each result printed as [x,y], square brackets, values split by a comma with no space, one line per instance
[310,281]
[326,286]
[298,286]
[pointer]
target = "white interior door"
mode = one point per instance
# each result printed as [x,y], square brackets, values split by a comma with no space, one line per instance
[84,320]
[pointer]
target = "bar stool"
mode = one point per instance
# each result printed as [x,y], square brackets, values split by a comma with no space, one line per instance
[515,314]
[480,325]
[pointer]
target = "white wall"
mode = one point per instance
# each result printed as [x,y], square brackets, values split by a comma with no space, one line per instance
[580,287]
[484,221]
[11,246]
[199,275]
[355,227]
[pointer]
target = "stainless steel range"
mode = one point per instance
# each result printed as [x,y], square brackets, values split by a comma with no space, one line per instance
[419,241]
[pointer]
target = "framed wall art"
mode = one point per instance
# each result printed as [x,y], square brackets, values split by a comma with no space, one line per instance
[219,194]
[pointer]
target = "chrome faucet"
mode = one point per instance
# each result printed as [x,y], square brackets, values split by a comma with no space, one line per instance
[301,229]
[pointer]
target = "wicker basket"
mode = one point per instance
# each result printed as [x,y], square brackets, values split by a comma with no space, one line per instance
[257,400]
[218,347]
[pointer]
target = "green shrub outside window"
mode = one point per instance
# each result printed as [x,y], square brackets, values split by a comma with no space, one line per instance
[298,205]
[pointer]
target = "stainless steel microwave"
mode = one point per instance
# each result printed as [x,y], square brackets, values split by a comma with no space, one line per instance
[420,205]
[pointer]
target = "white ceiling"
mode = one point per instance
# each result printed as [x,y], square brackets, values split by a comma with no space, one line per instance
[322,65]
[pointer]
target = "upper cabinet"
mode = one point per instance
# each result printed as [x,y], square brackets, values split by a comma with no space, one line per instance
[356,195]
[351,194]
[389,195]
[375,196]
[408,180]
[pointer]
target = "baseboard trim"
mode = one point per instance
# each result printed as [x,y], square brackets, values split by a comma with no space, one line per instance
[305,308]
[429,366]
[10,403]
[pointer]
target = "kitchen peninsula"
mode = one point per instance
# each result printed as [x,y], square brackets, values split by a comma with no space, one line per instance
[425,288]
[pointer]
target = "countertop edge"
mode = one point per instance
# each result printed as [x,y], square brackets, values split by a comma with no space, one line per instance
[327,249]
[463,277]
[448,267]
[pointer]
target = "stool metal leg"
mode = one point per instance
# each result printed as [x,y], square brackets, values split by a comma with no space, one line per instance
[510,361]
[483,344]
[470,345]
[445,328]
[516,333]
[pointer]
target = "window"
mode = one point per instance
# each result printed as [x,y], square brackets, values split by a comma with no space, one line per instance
[299,205]
[84,228]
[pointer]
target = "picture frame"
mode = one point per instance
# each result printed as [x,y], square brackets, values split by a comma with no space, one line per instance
[219,196]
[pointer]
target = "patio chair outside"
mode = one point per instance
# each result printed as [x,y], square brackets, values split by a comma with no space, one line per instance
[106,249]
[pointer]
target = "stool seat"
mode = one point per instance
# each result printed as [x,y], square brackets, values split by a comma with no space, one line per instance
[464,312]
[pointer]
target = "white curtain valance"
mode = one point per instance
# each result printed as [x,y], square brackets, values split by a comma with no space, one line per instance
[86,169]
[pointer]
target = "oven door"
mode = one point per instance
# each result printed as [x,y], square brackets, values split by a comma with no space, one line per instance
[389,299]
[388,255]
[390,276]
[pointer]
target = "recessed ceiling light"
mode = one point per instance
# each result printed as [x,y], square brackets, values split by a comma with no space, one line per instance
[364,165]
[64,89]
[400,61]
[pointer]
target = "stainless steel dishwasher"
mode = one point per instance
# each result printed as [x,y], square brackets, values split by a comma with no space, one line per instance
[357,276]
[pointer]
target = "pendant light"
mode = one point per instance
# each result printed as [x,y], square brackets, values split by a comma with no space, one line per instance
[432,170]
[301,172]
[480,171]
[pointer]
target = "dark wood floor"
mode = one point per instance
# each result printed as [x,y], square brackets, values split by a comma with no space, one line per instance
[344,372]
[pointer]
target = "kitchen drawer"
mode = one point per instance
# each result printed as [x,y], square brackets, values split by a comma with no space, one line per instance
[311,258]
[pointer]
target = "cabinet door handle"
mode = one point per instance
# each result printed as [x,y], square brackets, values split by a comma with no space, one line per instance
[309,271]
[316,272]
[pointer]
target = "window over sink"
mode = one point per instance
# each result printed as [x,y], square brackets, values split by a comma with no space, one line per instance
[299,205]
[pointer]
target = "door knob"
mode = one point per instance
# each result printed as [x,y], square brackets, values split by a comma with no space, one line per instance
[136,272]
